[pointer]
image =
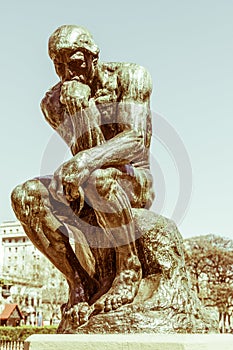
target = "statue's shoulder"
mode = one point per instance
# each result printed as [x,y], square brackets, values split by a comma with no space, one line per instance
[126,71]
[133,80]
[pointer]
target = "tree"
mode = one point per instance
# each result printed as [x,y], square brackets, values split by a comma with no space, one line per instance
[210,261]
[54,291]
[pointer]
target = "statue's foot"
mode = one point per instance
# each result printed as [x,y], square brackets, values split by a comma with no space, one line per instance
[78,293]
[123,291]
[74,316]
[82,313]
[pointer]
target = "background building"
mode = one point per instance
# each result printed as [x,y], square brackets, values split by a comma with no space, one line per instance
[27,277]
[18,252]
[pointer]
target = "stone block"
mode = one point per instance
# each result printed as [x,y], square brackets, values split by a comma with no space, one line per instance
[129,342]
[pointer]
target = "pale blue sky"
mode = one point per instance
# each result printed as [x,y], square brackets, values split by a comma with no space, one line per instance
[188,48]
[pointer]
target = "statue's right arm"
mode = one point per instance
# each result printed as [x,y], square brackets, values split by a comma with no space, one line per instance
[55,115]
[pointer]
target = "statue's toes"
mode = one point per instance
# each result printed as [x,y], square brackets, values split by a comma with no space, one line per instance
[119,300]
[83,319]
[130,297]
[116,302]
[83,313]
[108,304]
[124,299]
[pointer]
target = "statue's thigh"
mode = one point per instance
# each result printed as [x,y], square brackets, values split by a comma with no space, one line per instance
[136,184]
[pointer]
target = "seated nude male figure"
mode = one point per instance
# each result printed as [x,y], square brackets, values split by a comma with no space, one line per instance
[102,112]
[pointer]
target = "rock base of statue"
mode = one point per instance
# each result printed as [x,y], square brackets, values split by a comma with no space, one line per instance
[166,302]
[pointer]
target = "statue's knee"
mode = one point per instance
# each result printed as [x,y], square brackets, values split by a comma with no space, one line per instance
[16,195]
[101,180]
[26,198]
[34,189]
[29,188]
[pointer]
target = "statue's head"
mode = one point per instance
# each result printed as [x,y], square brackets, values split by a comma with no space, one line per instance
[74,53]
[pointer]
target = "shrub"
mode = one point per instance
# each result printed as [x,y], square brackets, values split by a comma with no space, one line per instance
[22,332]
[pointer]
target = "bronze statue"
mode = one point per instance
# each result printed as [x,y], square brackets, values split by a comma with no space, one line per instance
[103,193]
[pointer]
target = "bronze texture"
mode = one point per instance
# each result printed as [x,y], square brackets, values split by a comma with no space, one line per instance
[127,273]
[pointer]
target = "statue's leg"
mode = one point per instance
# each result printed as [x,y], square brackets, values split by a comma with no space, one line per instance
[32,207]
[113,211]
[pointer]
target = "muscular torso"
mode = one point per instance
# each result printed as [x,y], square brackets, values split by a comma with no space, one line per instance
[119,101]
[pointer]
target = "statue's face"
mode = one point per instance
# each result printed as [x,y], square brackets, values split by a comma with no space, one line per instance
[76,64]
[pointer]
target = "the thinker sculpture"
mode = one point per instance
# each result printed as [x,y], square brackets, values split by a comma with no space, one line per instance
[127,271]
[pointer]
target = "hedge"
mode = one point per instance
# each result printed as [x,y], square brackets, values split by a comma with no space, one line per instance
[22,332]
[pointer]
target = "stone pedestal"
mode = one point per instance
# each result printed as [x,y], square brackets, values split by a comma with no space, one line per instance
[165,302]
[129,342]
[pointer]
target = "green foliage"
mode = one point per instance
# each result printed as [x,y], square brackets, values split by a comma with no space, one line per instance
[210,261]
[23,332]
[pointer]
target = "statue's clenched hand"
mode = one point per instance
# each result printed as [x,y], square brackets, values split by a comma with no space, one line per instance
[67,179]
[74,95]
